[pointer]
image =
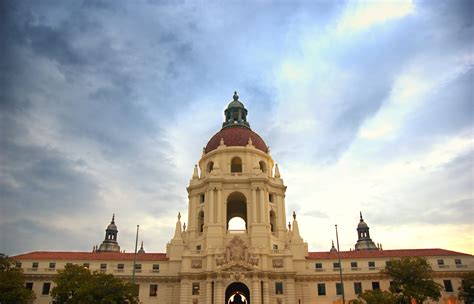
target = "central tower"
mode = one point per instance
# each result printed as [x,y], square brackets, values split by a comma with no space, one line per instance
[236,179]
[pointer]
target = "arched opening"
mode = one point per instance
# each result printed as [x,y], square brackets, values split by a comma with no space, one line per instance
[236,209]
[210,166]
[237,293]
[236,223]
[236,165]
[272,221]
[200,226]
[263,166]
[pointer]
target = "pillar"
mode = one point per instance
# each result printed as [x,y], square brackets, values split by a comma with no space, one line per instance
[208,299]
[211,206]
[266,292]
[255,295]
[185,290]
[290,290]
[254,206]
[219,206]
[219,291]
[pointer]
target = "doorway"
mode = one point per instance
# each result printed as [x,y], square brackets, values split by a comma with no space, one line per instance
[237,293]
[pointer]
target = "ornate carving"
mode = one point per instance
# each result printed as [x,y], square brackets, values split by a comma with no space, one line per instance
[196,264]
[277,263]
[236,250]
[237,257]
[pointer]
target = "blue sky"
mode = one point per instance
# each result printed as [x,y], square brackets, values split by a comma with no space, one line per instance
[105,107]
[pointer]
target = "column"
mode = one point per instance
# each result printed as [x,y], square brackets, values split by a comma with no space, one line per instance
[219,206]
[262,205]
[266,292]
[192,214]
[184,292]
[211,206]
[208,292]
[254,206]
[290,290]
[255,295]
[219,291]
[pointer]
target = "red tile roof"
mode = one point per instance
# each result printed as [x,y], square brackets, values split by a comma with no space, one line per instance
[236,136]
[86,256]
[396,253]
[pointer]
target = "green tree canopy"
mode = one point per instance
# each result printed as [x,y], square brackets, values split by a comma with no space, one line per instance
[412,278]
[12,284]
[77,285]
[466,291]
[375,296]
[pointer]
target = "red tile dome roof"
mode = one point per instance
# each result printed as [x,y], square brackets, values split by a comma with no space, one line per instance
[236,136]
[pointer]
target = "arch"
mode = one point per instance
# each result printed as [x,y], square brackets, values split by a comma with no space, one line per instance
[236,165]
[236,223]
[200,226]
[272,221]
[236,207]
[210,166]
[237,293]
[263,166]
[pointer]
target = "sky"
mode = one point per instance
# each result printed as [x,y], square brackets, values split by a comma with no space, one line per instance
[105,107]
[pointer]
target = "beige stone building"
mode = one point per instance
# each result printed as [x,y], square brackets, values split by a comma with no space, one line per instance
[265,261]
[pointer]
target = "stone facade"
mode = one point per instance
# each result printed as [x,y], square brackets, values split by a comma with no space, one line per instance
[267,261]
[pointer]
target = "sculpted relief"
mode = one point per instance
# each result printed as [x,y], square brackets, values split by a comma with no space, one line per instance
[236,252]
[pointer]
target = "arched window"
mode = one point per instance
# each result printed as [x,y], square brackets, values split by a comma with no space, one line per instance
[272,221]
[200,226]
[210,166]
[236,165]
[263,167]
[236,211]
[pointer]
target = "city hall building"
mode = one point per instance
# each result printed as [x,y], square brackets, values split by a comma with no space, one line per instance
[267,261]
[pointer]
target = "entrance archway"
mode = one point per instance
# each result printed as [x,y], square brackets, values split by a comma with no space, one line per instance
[237,293]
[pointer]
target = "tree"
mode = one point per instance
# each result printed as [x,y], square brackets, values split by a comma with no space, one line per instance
[375,296]
[412,278]
[76,285]
[12,284]
[466,291]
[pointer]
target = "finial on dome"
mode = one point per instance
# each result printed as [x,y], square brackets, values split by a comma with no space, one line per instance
[113,218]
[294,215]
[195,172]
[236,96]
[179,216]
[277,171]
[361,219]
[221,142]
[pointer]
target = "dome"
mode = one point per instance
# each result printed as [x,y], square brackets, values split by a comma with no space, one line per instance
[236,136]
[362,224]
[111,226]
[235,103]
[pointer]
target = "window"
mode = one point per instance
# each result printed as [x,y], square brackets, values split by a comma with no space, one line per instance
[448,285]
[339,289]
[201,221]
[52,265]
[103,267]
[321,289]
[236,165]
[46,288]
[29,285]
[202,198]
[275,247]
[35,265]
[278,287]
[153,290]
[195,290]
[272,221]
[440,262]
[357,288]
[210,166]
[371,265]
[270,197]
[138,267]
[198,248]
[318,266]
[375,285]
[120,267]
[86,265]
[456,261]
[353,264]
[156,267]
[336,265]
[18,264]
[263,167]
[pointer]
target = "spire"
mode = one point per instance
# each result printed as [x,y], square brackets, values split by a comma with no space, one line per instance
[333,249]
[141,249]
[195,172]
[178,231]
[295,237]
[236,113]
[113,219]
[277,171]
[361,219]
